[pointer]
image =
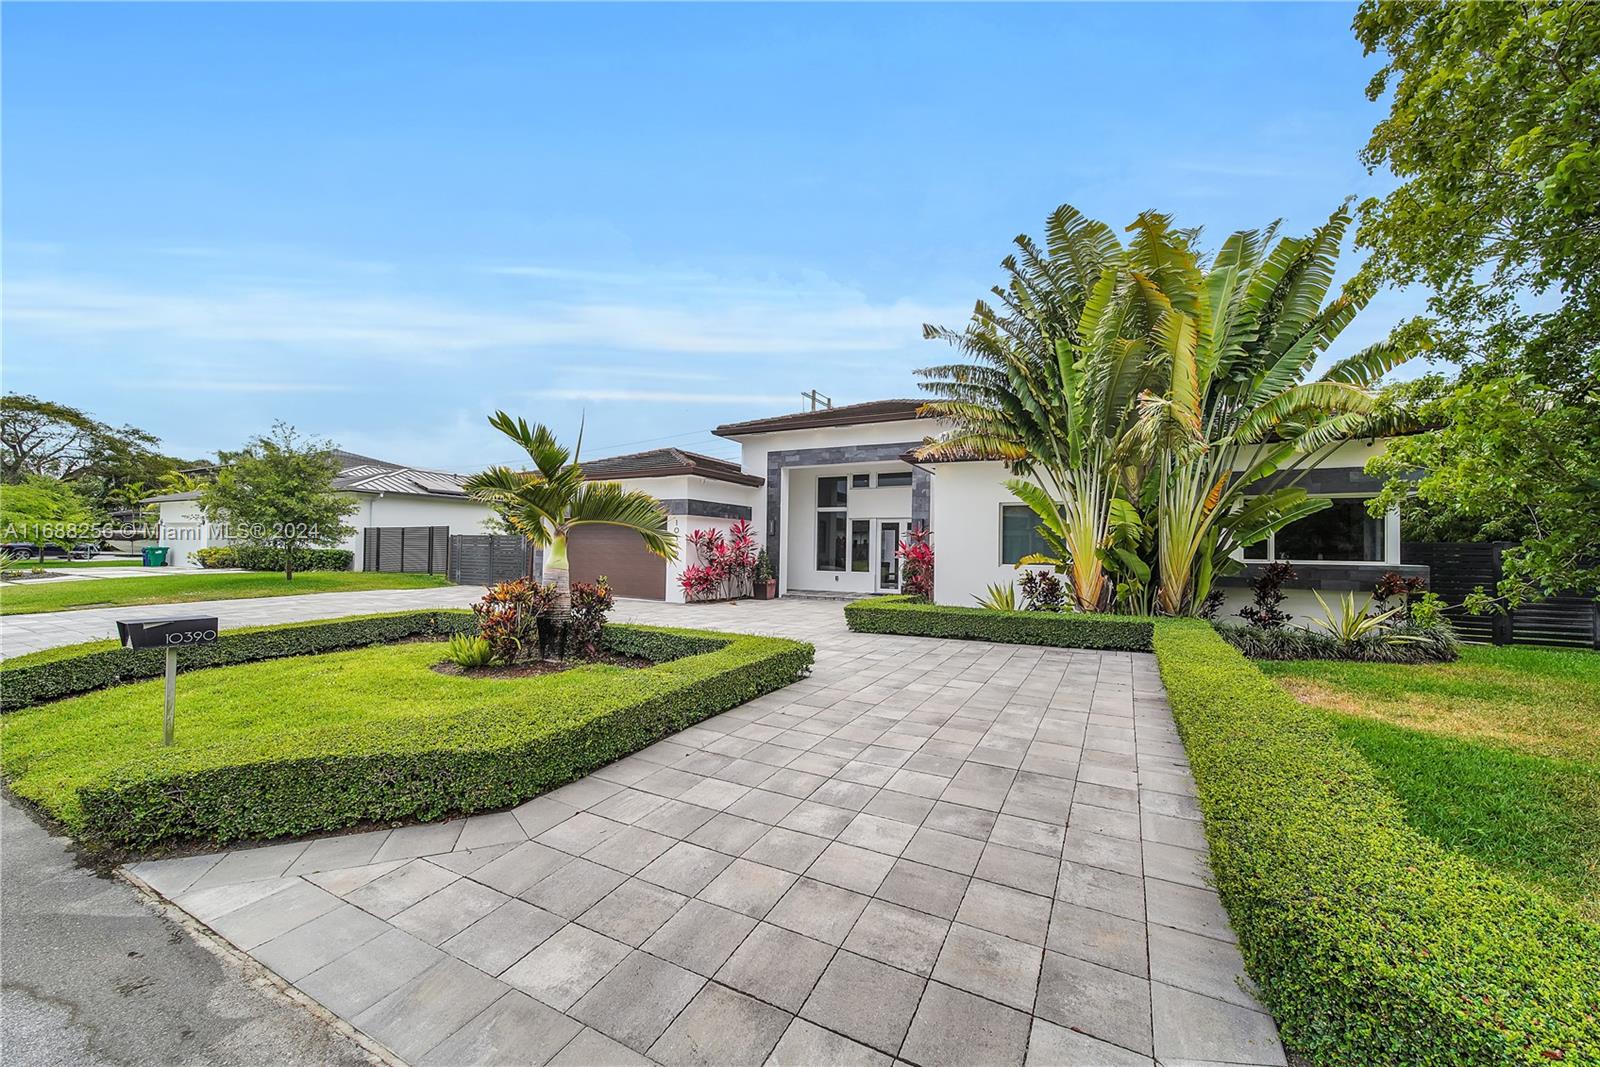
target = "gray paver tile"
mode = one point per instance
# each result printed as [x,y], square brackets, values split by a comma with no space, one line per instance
[251,865]
[540,814]
[940,848]
[898,936]
[1198,911]
[304,949]
[818,910]
[368,973]
[339,853]
[924,888]
[172,877]
[805,1044]
[504,936]
[777,966]
[989,965]
[409,842]
[863,999]
[444,914]
[1056,1046]
[1099,937]
[1001,909]
[953,1028]
[1028,871]
[633,911]
[494,828]
[566,966]
[958,819]
[580,833]
[1201,965]
[574,888]
[728,834]
[1173,864]
[1028,834]
[638,999]
[520,868]
[1099,850]
[878,834]
[700,937]
[1101,889]
[261,921]
[750,888]
[685,868]
[1191,1027]
[811,817]
[390,894]
[514,1031]
[789,850]
[901,807]
[721,1026]
[630,850]
[764,805]
[1095,1000]
[851,867]
[594,1049]
[430,1007]
[676,819]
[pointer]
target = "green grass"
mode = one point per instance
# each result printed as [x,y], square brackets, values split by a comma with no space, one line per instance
[82,564]
[318,742]
[1496,756]
[187,588]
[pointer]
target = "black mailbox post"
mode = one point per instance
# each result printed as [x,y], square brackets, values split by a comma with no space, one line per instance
[170,634]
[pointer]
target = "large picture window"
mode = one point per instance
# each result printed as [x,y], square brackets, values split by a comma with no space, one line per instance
[1019,533]
[1342,532]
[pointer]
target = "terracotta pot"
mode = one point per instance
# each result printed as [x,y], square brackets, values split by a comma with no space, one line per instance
[767,590]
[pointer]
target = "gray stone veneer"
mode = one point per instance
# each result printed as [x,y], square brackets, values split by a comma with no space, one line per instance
[706,509]
[778,459]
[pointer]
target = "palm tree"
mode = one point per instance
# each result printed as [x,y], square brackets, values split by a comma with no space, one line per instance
[1238,417]
[547,503]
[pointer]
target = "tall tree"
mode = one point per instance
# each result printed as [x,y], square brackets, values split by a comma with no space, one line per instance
[1494,131]
[278,492]
[548,503]
[44,511]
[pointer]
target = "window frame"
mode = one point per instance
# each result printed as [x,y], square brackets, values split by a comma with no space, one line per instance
[1001,533]
[1271,542]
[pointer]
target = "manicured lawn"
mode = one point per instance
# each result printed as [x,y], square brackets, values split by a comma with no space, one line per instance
[1496,756]
[185,588]
[82,564]
[317,742]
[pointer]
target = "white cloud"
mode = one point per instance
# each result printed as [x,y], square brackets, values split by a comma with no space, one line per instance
[808,317]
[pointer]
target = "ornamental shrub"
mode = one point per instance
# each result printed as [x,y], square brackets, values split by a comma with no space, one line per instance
[916,564]
[591,603]
[904,615]
[265,558]
[217,556]
[1042,591]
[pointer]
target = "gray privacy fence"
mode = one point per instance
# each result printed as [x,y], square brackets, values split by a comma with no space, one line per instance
[1456,569]
[483,559]
[406,549]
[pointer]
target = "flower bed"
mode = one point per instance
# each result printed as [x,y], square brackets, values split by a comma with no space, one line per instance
[305,744]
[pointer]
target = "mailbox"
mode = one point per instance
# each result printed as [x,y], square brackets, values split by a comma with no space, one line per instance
[167,633]
[170,634]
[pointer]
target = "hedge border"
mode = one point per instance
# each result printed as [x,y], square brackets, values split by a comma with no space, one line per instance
[457,765]
[58,673]
[1370,943]
[911,617]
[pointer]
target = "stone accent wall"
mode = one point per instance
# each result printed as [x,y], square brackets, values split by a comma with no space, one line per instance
[839,455]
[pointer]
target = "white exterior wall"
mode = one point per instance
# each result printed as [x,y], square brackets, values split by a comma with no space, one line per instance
[183,531]
[690,487]
[401,509]
[967,498]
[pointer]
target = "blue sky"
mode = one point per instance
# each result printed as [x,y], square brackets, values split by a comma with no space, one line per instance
[381,222]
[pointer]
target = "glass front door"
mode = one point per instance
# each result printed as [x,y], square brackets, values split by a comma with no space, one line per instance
[889,531]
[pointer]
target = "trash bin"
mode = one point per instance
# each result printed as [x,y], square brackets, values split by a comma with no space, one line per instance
[155,557]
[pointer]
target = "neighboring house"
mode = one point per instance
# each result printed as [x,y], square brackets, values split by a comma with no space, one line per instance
[391,498]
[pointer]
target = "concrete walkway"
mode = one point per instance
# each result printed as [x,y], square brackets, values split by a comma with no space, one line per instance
[938,851]
[20,634]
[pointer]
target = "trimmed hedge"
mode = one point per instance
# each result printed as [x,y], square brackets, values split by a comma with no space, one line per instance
[462,760]
[914,618]
[1435,644]
[261,558]
[1371,943]
[57,673]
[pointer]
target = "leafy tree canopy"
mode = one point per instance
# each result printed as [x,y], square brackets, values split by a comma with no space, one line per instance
[43,511]
[1494,132]
[278,492]
[47,439]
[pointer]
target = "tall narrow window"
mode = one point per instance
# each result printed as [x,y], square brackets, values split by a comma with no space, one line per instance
[861,545]
[833,547]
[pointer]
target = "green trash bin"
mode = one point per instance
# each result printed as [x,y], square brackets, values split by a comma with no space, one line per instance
[155,557]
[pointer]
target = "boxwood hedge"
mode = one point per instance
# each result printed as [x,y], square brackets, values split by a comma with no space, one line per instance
[915,618]
[63,672]
[312,776]
[1370,942]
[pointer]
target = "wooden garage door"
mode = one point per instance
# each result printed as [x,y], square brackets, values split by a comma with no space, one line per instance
[620,555]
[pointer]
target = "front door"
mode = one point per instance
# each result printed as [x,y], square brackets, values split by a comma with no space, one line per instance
[887,575]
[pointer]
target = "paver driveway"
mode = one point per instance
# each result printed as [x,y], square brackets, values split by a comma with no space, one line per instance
[943,852]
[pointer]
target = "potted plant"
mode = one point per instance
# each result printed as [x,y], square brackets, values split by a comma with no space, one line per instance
[766,584]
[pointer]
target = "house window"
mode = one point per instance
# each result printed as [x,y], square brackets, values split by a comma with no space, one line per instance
[894,478]
[1019,533]
[860,481]
[1342,532]
[860,545]
[832,544]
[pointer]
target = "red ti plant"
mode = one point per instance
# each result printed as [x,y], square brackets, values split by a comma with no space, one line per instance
[508,617]
[724,567]
[916,564]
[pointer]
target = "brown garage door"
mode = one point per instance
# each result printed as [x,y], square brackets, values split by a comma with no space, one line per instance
[620,555]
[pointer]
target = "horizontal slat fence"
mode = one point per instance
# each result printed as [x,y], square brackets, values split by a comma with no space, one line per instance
[406,549]
[1456,569]
[484,559]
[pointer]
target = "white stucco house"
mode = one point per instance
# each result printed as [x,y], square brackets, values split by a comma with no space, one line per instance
[832,492]
[390,497]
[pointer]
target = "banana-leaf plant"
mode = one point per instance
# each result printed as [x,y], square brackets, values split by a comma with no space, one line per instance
[546,504]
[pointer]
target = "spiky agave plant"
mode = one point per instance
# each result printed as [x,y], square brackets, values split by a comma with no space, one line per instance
[1239,426]
[548,503]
